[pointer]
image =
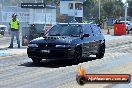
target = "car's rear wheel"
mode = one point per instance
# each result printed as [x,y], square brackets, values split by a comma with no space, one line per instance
[36,60]
[77,54]
[101,51]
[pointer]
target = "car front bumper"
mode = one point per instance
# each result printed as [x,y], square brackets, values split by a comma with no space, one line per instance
[51,53]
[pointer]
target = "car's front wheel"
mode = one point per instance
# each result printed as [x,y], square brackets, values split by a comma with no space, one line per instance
[77,54]
[101,51]
[36,60]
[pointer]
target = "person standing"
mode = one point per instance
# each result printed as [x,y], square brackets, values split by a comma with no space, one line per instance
[14,30]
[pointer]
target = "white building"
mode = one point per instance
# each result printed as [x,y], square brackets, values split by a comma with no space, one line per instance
[45,16]
[72,8]
[30,16]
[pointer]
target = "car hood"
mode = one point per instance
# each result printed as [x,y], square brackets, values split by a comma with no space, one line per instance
[54,40]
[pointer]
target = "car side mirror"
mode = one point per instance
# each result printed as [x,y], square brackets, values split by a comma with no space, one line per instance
[86,35]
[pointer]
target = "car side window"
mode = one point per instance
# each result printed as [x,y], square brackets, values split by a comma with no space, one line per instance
[79,29]
[87,30]
[96,30]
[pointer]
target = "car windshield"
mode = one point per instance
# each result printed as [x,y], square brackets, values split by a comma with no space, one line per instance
[65,30]
[130,23]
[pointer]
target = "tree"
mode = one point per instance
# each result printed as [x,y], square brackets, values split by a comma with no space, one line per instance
[109,8]
[88,6]
[112,8]
[130,8]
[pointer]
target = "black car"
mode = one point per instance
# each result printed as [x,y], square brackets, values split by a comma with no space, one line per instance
[68,41]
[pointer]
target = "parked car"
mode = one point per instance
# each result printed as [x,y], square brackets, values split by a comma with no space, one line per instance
[128,25]
[2,29]
[68,41]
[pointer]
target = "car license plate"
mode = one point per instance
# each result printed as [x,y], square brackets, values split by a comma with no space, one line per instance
[45,51]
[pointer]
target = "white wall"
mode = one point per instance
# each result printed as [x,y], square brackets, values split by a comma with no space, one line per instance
[22,16]
[64,9]
[38,16]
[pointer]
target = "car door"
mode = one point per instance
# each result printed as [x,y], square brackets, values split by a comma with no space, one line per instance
[87,41]
[96,37]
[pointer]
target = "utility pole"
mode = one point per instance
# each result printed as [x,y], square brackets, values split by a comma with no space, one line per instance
[99,9]
[45,14]
[125,11]
[1,8]
[42,9]
[34,14]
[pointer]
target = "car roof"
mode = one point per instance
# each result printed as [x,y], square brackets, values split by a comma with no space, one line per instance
[74,23]
[78,23]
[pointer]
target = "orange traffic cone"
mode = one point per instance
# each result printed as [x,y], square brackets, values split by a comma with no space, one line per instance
[108,32]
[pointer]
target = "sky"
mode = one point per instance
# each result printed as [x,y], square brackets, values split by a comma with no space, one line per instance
[123,1]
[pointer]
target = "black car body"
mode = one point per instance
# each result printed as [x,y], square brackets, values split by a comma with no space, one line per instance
[68,41]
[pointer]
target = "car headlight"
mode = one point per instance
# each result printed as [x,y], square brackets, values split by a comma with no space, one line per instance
[62,45]
[32,45]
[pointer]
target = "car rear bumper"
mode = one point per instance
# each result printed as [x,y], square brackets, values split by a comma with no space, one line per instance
[51,54]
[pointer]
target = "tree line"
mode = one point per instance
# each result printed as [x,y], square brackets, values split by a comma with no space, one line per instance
[109,8]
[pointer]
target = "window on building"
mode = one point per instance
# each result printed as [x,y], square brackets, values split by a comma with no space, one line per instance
[78,6]
[70,5]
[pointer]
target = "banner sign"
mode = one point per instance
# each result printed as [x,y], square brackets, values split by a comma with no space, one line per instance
[22,16]
[33,5]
